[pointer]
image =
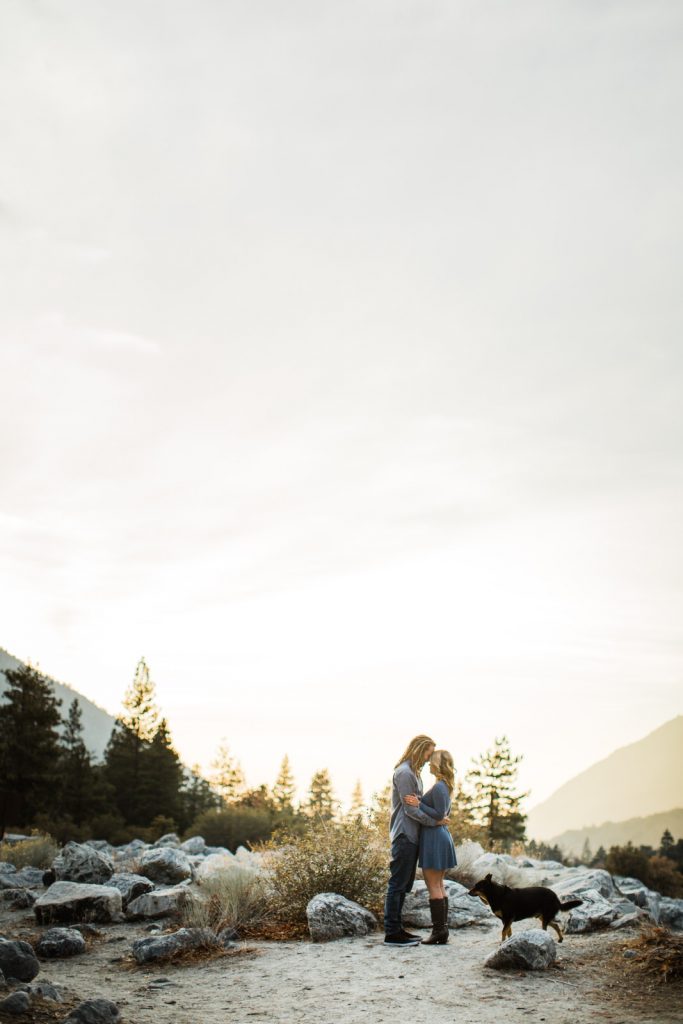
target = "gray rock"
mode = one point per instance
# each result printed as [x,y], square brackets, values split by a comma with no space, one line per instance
[60,942]
[94,1011]
[577,881]
[18,899]
[194,845]
[159,903]
[671,912]
[163,947]
[6,868]
[531,950]
[81,863]
[626,920]
[637,892]
[27,878]
[331,916]
[65,902]
[18,960]
[166,866]
[227,937]
[16,1004]
[463,909]
[3,983]
[594,913]
[130,886]
[46,990]
[170,839]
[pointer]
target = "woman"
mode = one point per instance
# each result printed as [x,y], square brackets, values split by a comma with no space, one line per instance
[437,852]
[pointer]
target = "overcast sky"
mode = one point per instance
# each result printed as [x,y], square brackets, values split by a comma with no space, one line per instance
[341,364]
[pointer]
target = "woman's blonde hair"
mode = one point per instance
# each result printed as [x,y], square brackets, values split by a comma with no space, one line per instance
[444,768]
[416,752]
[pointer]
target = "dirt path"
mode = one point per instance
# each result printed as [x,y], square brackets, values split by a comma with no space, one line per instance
[359,981]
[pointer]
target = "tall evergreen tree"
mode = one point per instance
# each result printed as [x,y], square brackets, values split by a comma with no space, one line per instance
[357,803]
[78,783]
[666,843]
[29,747]
[284,789]
[161,778]
[197,796]
[134,730]
[496,803]
[228,777]
[321,802]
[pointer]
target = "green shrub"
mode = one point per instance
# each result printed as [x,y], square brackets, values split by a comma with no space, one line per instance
[349,858]
[664,877]
[36,852]
[234,898]
[628,861]
[234,826]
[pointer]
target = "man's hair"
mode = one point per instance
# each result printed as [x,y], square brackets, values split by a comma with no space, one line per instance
[416,752]
[444,768]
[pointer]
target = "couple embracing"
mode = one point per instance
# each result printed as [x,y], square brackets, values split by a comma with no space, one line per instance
[419,834]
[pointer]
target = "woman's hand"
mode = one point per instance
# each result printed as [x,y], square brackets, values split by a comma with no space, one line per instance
[412,800]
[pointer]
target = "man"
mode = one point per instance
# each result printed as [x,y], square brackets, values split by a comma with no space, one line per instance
[405,837]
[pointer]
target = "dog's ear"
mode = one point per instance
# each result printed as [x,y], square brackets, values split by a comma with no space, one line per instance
[488,877]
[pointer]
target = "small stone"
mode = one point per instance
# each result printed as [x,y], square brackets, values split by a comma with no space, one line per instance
[16,1004]
[163,947]
[60,942]
[531,950]
[46,990]
[94,1011]
[629,954]
[166,866]
[18,960]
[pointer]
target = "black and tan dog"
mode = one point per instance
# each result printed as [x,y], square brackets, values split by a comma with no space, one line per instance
[517,904]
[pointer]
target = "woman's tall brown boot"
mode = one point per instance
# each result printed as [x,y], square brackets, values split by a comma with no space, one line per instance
[439,936]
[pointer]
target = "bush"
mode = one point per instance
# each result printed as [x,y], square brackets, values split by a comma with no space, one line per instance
[36,852]
[349,858]
[234,826]
[234,898]
[628,861]
[664,877]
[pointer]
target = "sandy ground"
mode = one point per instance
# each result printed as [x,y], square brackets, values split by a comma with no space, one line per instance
[359,981]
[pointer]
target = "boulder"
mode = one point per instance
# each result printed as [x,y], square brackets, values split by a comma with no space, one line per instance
[331,917]
[6,868]
[194,845]
[594,913]
[576,881]
[496,863]
[170,839]
[18,899]
[80,862]
[671,912]
[637,892]
[532,950]
[215,864]
[159,903]
[17,1004]
[463,909]
[65,902]
[130,886]
[46,990]
[163,947]
[18,960]
[94,1011]
[60,942]
[3,983]
[165,865]
[27,878]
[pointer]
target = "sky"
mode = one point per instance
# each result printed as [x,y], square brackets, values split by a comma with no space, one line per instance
[340,353]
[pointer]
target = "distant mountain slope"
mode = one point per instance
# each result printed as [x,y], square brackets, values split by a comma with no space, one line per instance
[639,780]
[97,723]
[639,831]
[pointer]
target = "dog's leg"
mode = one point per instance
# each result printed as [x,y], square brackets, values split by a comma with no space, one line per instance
[507,932]
[555,925]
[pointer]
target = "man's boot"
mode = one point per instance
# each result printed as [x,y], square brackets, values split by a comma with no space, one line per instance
[439,936]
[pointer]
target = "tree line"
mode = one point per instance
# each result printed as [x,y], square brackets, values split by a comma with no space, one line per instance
[50,781]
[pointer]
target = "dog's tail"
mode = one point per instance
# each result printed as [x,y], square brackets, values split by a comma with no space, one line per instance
[570,904]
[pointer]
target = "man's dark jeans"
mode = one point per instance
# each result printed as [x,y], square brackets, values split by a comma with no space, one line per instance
[401,877]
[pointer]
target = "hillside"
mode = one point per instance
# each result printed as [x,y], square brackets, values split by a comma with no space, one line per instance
[97,723]
[639,831]
[639,780]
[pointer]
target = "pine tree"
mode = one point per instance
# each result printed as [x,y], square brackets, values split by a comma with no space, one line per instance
[196,795]
[586,852]
[284,789]
[29,747]
[228,778]
[666,843]
[78,789]
[321,802]
[130,738]
[161,778]
[495,802]
[357,804]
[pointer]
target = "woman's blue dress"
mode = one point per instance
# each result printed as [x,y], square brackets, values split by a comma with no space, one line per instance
[436,845]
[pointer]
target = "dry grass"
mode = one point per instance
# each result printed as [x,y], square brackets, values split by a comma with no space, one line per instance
[659,954]
[38,852]
[189,958]
[235,898]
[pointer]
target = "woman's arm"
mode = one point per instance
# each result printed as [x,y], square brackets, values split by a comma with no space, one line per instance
[425,807]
